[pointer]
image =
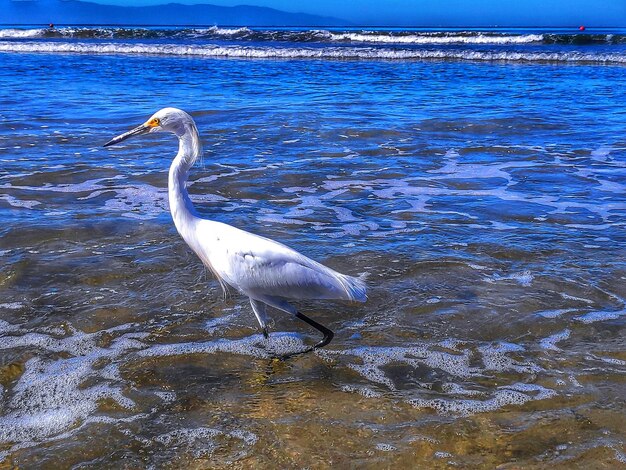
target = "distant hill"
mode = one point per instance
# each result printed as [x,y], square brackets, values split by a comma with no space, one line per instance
[77,12]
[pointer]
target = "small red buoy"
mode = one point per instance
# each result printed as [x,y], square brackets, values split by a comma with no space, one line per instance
[581,28]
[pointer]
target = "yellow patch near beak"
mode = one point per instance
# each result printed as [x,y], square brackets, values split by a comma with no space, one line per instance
[153,122]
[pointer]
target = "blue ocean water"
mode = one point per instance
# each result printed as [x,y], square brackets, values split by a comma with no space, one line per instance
[477,177]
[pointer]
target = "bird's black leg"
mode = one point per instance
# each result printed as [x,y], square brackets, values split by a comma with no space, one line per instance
[328,334]
[328,337]
[265,333]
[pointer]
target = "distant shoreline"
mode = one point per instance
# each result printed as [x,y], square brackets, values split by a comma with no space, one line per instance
[224,25]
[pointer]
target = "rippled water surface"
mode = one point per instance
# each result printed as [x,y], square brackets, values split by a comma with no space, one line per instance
[484,200]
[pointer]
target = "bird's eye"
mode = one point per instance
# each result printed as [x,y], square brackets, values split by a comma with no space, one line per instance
[154,122]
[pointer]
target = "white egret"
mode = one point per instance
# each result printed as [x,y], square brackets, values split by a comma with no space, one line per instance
[268,272]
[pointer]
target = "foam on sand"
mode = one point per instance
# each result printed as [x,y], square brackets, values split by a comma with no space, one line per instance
[550,341]
[455,364]
[51,397]
[201,442]
[515,394]
[279,344]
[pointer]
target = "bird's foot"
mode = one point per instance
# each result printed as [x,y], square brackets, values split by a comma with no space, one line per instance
[327,338]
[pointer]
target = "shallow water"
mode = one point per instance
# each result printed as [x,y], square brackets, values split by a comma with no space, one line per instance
[485,201]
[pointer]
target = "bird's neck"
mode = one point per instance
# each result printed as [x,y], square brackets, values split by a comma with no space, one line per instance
[181,206]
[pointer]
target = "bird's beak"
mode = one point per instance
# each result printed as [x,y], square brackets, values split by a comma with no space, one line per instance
[139,130]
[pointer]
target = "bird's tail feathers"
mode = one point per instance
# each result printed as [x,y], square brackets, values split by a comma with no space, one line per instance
[355,287]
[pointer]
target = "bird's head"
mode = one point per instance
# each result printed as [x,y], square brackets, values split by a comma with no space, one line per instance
[172,120]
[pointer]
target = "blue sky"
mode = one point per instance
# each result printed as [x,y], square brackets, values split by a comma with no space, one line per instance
[440,12]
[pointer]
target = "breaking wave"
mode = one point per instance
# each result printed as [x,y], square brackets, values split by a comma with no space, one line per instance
[436,38]
[14,33]
[336,53]
[325,36]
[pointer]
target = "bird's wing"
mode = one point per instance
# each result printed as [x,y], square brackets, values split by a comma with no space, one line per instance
[259,266]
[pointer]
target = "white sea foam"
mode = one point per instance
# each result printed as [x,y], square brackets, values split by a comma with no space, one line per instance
[73,32]
[86,185]
[51,397]
[15,202]
[619,455]
[515,394]
[362,390]
[215,324]
[416,189]
[201,441]
[14,33]
[550,341]
[597,316]
[496,357]
[452,388]
[256,346]
[384,447]
[224,31]
[6,327]
[10,306]
[524,278]
[426,38]
[263,52]
[167,397]
[609,360]
[138,201]
[373,359]
[601,154]
[454,358]
[572,297]
[555,313]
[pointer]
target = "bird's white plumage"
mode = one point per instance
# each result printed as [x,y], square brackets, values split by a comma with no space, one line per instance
[259,267]
[266,271]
